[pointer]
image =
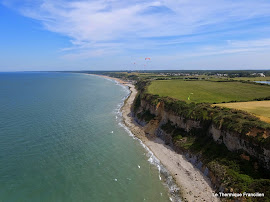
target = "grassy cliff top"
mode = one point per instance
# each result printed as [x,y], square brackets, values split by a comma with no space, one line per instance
[208,91]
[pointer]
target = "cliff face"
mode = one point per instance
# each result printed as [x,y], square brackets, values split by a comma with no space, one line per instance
[232,140]
[166,116]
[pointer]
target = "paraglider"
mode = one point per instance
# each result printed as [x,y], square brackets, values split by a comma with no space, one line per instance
[136,62]
[189,96]
[147,60]
[134,65]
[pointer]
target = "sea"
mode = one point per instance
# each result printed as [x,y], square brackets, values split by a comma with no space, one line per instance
[62,138]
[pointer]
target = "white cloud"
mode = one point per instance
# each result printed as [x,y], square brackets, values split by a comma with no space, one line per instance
[98,27]
[262,43]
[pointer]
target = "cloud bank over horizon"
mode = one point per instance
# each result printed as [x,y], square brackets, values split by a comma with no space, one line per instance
[175,33]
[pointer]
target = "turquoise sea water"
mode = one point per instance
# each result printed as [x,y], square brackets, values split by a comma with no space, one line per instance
[60,140]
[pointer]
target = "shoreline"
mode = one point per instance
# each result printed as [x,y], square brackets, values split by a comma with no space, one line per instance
[194,186]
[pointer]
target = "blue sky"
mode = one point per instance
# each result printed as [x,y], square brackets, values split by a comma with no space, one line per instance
[120,34]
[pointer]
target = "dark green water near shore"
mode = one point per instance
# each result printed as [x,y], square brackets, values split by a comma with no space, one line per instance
[60,140]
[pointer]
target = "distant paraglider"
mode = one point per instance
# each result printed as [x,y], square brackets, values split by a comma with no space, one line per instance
[138,63]
[147,61]
[134,65]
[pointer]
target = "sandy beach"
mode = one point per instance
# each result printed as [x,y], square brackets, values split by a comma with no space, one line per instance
[194,186]
[116,79]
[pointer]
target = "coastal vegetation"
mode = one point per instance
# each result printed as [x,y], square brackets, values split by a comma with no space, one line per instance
[235,171]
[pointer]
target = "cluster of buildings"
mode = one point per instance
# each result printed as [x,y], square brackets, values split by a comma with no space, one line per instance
[258,74]
[177,74]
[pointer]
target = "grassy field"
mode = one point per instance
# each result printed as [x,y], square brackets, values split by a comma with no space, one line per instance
[207,91]
[260,109]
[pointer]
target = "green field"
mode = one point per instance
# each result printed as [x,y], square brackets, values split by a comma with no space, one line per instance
[207,91]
